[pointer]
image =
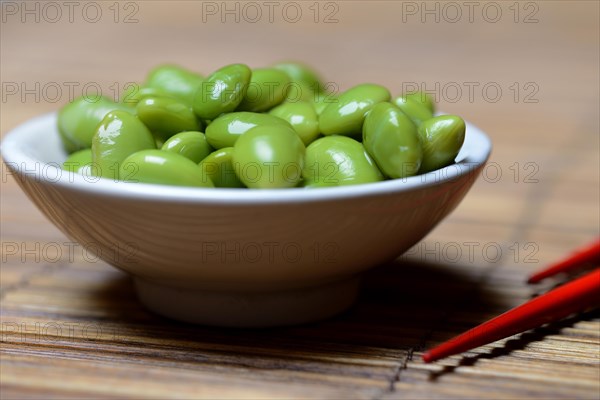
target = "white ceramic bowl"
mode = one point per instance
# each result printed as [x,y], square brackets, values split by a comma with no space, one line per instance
[235,257]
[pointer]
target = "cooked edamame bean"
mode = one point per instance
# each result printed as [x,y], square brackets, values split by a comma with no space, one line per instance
[218,166]
[175,81]
[303,74]
[258,123]
[391,138]
[162,167]
[267,88]
[299,92]
[269,157]
[134,93]
[78,120]
[422,98]
[78,160]
[322,100]
[119,135]
[338,161]
[225,130]
[442,137]
[346,117]
[303,118]
[166,116]
[417,112]
[191,145]
[222,91]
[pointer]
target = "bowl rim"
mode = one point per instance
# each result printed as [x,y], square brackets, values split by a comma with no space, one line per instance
[14,149]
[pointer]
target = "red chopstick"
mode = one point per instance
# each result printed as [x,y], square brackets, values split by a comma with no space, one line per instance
[585,255]
[569,298]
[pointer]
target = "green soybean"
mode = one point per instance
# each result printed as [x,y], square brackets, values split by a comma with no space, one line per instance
[442,138]
[119,135]
[267,128]
[303,118]
[422,98]
[301,73]
[222,91]
[78,160]
[162,167]
[225,130]
[78,120]
[166,116]
[338,161]
[267,88]
[417,112]
[175,81]
[269,157]
[218,166]
[135,92]
[191,145]
[346,117]
[322,100]
[299,91]
[391,138]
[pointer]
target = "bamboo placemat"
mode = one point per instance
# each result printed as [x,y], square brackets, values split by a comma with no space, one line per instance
[75,329]
[72,327]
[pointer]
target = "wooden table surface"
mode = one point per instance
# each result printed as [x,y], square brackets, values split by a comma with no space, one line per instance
[526,72]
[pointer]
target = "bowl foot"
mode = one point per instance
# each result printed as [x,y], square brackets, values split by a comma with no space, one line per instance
[248,309]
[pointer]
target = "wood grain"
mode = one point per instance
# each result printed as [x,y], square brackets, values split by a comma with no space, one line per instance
[72,328]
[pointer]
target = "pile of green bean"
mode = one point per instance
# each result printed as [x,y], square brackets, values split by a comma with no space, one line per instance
[265,128]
